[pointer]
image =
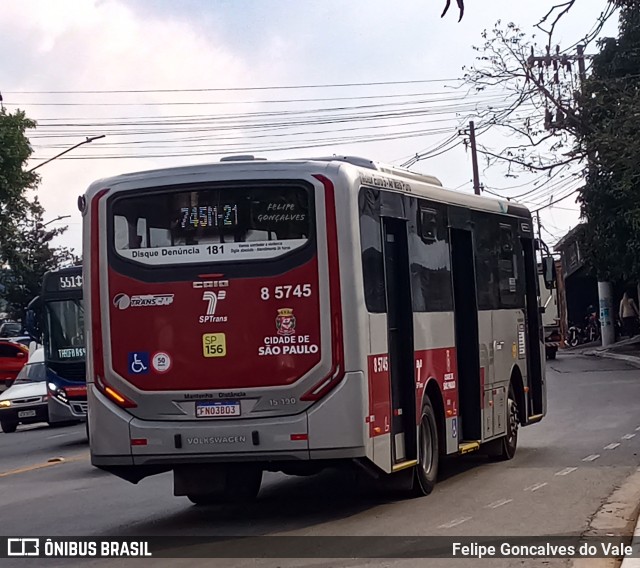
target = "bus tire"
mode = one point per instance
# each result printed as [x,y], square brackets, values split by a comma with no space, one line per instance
[504,449]
[241,485]
[426,472]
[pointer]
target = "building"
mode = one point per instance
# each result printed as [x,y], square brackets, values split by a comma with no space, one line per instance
[580,286]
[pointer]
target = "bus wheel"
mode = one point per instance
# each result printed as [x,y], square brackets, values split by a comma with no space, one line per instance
[505,448]
[428,451]
[241,485]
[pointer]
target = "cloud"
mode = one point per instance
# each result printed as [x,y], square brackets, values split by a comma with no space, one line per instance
[112,44]
[94,45]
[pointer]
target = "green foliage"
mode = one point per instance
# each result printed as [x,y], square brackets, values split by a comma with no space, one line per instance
[25,251]
[15,182]
[610,112]
[29,257]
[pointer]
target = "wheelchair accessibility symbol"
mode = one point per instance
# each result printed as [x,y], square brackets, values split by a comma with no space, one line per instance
[139,363]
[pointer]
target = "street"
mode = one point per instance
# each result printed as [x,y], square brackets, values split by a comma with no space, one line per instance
[565,468]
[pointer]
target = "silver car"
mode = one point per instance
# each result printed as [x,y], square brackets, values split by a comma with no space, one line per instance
[25,402]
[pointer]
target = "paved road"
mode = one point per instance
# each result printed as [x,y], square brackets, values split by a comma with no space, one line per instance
[549,488]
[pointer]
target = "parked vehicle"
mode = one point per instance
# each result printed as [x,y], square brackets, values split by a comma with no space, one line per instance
[26,401]
[22,340]
[13,357]
[588,332]
[10,329]
[550,314]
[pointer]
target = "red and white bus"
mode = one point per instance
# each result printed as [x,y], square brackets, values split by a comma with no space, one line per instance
[253,315]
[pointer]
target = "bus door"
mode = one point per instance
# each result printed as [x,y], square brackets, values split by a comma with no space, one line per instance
[534,331]
[400,340]
[467,332]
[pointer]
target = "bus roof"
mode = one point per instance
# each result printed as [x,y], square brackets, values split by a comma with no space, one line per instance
[421,184]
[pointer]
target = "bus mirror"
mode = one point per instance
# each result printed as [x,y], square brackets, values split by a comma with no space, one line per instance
[549,272]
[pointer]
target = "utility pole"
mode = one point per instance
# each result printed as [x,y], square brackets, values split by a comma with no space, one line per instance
[477,186]
[556,61]
[474,158]
[582,70]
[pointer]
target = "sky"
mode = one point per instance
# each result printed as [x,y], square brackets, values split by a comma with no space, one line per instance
[232,54]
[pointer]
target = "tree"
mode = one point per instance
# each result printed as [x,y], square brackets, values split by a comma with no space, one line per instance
[460,7]
[25,252]
[538,107]
[567,119]
[15,181]
[29,258]
[610,199]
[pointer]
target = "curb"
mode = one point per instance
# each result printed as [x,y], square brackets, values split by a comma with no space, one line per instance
[633,561]
[631,359]
[618,515]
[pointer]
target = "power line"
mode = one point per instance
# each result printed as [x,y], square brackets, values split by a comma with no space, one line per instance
[557,200]
[229,89]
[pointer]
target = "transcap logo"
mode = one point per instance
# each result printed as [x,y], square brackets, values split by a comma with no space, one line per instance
[122,301]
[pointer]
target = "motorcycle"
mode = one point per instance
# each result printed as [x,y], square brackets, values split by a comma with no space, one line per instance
[587,333]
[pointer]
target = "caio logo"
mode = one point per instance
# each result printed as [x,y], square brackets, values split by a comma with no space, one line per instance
[211,284]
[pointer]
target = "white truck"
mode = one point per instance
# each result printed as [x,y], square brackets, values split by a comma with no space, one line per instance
[550,318]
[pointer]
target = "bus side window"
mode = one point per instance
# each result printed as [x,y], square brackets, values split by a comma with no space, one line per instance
[429,258]
[371,246]
[511,285]
[485,243]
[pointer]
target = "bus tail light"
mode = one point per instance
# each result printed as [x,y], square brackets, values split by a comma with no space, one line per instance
[113,395]
[138,441]
[337,368]
[299,437]
[324,386]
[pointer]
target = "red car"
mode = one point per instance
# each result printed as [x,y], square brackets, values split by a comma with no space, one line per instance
[13,357]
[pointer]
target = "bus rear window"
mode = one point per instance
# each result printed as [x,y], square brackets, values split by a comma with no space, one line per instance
[211,224]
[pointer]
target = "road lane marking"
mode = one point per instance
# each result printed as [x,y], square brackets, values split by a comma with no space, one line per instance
[535,487]
[591,458]
[499,503]
[628,436]
[638,429]
[612,446]
[57,436]
[454,523]
[34,467]
[566,471]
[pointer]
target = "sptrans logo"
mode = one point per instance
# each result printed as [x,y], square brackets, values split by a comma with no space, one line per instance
[212,299]
[122,301]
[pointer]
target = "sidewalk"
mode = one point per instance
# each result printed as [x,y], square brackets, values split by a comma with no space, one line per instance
[633,561]
[627,350]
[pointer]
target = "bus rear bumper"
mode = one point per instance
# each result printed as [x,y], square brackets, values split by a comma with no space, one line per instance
[329,431]
[171,460]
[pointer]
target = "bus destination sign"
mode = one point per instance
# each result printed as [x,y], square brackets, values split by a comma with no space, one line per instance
[66,282]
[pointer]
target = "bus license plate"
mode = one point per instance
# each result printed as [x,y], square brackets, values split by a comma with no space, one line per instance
[26,413]
[217,409]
